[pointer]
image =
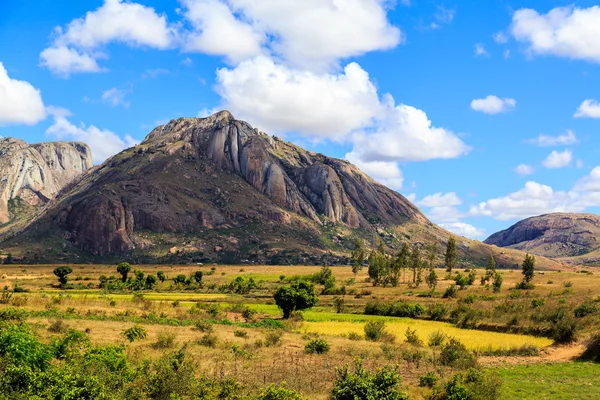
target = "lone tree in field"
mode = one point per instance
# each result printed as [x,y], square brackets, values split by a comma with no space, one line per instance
[378,265]
[431,279]
[358,257]
[400,263]
[450,254]
[298,296]
[528,269]
[123,269]
[490,269]
[62,274]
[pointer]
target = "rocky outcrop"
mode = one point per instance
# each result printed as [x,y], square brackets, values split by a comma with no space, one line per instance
[36,173]
[552,235]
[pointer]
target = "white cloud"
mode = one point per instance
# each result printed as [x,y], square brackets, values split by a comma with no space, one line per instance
[445,15]
[500,37]
[444,214]
[404,133]
[579,164]
[480,50]
[568,139]
[464,229]
[155,73]
[524,169]
[570,32]
[20,102]
[75,47]
[440,200]
[493,105]
[218,32]
[506,53]
[115,97]
[589,108]
[103,143]
[386,173]
[558,159]
[316,34]
[280,99]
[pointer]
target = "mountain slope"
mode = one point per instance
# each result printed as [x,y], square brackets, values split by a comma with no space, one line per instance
[216,189]
[552,235]
[31,175]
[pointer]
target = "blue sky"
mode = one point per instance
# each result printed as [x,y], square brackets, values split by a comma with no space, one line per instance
[482,113]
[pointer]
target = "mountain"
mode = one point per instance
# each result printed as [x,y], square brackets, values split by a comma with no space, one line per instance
[552,235]
[31,175]
[216,189]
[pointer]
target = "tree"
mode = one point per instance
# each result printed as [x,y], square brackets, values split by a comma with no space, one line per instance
[432,279]
[197,276]
[180,279]
[123,269]
[400,263]
[497,282]
[432,251]
[378,265]
[450,258]
[358,257]
[415,263]
[298,296]
[360,384]
[490,269]
[528,268]
[62,274]
[150,281]
[161,276]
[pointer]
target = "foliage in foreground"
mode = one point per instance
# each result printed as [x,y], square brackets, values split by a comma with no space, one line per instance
[360,384]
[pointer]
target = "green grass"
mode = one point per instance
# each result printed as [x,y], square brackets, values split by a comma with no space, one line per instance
[572,381]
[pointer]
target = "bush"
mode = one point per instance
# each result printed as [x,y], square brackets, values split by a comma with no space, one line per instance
[564,331]
[429,380]
[450,292]
[585,309]
[58,326]
[436,339]
[240,333]
[317,346]
[208,340]
[412,338]
[437,311]
[272,338]
[374,330]
[592,349]
[202,326]
[248,314]
[273,392]
[164,340]
[455,354]
[136,332]
[537,303]
[354,336]
[359,384]
[474,385]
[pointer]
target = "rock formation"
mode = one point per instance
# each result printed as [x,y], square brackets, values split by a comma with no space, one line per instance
[36,173]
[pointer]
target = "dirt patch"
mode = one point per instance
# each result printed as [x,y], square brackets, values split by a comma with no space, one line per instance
[553,354]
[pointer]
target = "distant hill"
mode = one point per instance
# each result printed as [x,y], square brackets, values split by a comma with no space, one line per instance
[556,235]
[217,190]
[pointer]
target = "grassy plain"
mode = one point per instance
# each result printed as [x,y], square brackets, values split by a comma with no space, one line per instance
[500,318]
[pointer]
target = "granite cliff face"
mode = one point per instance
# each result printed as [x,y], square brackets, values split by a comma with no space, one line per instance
[35,173]
[552,235]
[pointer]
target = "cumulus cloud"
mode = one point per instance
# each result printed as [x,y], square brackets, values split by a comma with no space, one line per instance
[567,139]
[464,229]
[115,97]
[589,108]
[500,37]
[480,50]
[282,99]
[103,142]
[386,173]
[75,47]
[570,32]
[20,102]
[440,200]
[493,105]
[558,159]
[524,169]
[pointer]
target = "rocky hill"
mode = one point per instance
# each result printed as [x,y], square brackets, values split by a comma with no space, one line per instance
[31,175]
[216,189]
[552,235]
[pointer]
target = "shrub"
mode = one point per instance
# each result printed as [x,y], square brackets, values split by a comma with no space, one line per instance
[429,380]
[248,313]
[437,311]
[568,284]
[208,340]
[272,338]
[412,338]
[136,332]
[585,309]
[592,349]
[338,304]
[62,274]
[497,282]
[273,392]
[58,326]
[473,385]
[455,354]
[240,333]
[436,339]
[124,269]
[354,336]
[450,292]
[383,384]
[202,326]
[317,346]
[374,330]
[564,331]
[538,303]
[164,340]
[469,299]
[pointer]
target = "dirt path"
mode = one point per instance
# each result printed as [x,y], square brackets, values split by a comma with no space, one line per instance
[552,354]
